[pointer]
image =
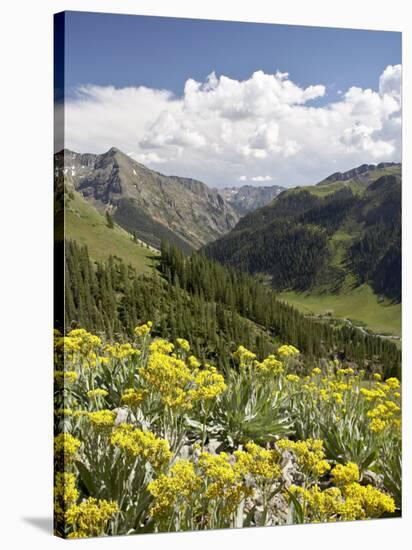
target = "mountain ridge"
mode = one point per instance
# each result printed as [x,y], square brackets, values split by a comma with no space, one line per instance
[324,238]
[146,202]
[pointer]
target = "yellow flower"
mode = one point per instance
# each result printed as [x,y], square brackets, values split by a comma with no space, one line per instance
[377,376]
[145,444]
[176,490]
[183,344]
[208,385]
[193,362]
[143,330]
[120,351]
[224,481]
[68,376]
[169,376]
[294,378]
[79,340]
[393,383]
[316,371]
[66,446]
[90,517]
[348,371]
[161,346]
[309,453]
[258,462]
[270,365]
[377,425]
[372,395]
[244,356]
[343,474]
[133,397]
[65,494]
[318,505]
[102,419]
[287,351]
[338,397]
[372,502]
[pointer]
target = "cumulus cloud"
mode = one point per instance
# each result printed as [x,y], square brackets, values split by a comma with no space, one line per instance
[223,130]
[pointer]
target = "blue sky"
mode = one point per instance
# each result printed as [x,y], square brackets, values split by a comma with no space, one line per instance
[162,52]
[229,102]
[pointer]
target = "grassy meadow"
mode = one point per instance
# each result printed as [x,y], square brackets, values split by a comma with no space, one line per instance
[85,225]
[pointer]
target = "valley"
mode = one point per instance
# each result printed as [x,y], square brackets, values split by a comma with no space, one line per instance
[309,233]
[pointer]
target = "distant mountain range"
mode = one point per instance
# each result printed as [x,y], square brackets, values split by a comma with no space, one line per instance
[153,206]
[342,232]
[247,198]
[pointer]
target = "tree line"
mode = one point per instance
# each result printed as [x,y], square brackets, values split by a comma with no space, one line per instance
[216,308]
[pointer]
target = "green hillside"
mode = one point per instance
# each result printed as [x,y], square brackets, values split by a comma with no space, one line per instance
[360,305]
[85,225]
[334,246]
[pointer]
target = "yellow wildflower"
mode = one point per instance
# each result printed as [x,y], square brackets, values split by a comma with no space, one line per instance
[66,446]
[393,383]
[121,351]
[144,444]
[371,502]
[224,481]
[102,419]
[171,377]
[133,397]
[68,376]
[244,356]
[143,330]
[287,351]
[65,494]
[338,397]
[377,425]
[161,346]
[343,474]
[193,362]
[258,462]
[183,344]
[174,490]
[294,378]
[208,385]
[270,365]
[310,455]
[90,517]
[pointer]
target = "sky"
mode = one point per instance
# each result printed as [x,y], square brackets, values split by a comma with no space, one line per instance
[232,103]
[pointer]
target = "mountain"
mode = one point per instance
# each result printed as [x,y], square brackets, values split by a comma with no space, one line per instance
[327,238]
[247,198]
[364,173]
[151,205]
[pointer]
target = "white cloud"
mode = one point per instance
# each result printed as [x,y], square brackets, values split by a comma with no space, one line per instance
[223,130]
[256,178]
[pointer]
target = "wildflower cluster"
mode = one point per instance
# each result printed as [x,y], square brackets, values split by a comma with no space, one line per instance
[151,437]
[142,444]
[310,455]
[179,383]
[174,491]
[90,517]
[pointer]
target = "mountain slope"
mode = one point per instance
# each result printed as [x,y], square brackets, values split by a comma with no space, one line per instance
[247,198]
[85,225]
[326,238]
[154,206]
